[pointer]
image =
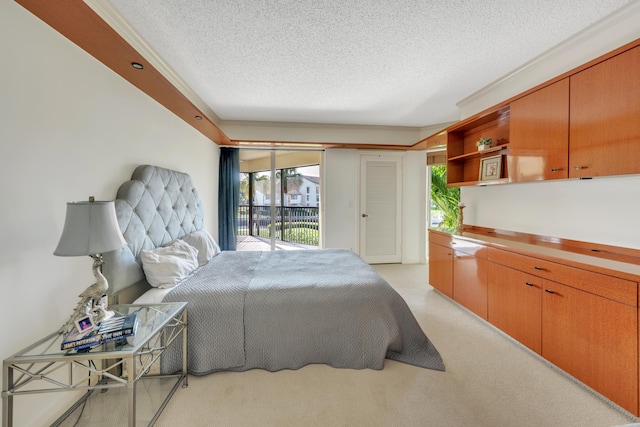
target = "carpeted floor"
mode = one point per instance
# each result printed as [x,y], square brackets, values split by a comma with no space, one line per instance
[490,381]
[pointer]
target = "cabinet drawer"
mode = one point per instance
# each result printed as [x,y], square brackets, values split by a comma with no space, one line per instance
[469,248]
[620,290]
[440,239]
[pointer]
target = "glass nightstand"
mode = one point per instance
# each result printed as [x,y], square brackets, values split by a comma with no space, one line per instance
[43,367]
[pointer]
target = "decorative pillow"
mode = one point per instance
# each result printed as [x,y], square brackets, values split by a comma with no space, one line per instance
[204,243]
[167,266]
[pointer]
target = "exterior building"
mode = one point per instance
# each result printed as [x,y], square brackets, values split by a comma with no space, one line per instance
[307,195]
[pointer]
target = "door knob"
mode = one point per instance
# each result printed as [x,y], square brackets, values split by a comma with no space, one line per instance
[365,216]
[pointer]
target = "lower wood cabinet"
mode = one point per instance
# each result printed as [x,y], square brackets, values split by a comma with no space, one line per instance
[441,268]
[514,304]
[594,339]
[582,321]
[458,269]
[470,282]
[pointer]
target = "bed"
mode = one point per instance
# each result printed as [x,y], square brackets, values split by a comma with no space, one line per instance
[257,310]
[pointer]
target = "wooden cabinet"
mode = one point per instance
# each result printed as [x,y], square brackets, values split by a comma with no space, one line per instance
[594,339]
[539,140]
[582,318]
[470,276]
[514,304]
[587,321]
[583,321]
[604,124]
[441,263]
[581,124]
[458,269]
[614,288]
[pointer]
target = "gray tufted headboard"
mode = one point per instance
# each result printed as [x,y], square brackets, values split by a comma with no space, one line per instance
[157,206]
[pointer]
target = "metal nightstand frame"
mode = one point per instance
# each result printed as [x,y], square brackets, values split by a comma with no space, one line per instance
[104,367]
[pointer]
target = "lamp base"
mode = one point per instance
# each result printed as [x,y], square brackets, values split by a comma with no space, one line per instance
[93,301]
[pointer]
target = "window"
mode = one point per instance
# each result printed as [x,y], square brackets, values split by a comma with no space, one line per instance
[443,200]
[272,213]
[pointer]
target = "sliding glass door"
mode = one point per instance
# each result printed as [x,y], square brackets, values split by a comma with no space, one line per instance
[279,200]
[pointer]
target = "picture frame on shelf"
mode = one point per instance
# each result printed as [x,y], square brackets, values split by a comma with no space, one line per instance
[490,168]
[85,324]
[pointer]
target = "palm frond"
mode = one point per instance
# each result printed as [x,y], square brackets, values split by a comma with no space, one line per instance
[447,198]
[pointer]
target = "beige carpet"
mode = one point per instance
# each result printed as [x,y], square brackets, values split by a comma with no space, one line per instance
[490,381]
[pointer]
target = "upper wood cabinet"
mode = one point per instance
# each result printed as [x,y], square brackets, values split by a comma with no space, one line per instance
[605,117]
[539,141]
[584,123]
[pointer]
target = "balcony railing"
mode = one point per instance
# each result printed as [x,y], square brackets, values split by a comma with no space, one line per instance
[292,224]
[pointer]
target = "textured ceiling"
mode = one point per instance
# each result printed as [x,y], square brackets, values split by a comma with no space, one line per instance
[360,62]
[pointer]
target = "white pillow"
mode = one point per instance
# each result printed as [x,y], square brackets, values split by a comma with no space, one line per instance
[167,266]
[204,243]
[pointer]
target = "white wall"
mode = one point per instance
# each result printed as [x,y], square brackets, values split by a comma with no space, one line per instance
[69,128]
[339,199]
[340,209]
[603,210]
[414,216]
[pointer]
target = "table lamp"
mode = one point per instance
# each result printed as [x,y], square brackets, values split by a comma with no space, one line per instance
[90,228]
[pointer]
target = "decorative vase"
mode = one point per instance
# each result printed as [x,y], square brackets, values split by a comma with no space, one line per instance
[482,147]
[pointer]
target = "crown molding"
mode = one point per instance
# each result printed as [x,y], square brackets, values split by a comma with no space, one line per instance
[615,30]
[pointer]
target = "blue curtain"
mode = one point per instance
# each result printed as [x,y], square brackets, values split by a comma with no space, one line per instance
[228,197]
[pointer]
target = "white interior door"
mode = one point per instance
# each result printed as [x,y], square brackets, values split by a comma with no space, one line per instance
[380,208]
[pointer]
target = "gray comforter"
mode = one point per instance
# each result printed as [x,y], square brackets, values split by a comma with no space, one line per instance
[287,309]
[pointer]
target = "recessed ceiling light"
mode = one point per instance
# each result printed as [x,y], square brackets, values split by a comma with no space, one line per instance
[137,65]
[198,117]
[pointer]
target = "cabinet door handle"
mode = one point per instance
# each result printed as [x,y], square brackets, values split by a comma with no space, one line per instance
[555,169]
[537,268]
[549,291]
[528,284]
[579,167]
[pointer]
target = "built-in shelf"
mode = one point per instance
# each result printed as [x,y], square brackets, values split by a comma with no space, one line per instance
[463,156]
[479,153]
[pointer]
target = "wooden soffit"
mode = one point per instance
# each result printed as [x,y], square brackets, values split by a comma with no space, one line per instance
[75,20]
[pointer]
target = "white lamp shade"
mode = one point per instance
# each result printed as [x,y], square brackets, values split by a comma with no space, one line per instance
[90,228]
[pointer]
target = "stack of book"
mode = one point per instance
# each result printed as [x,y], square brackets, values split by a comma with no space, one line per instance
[116,328]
